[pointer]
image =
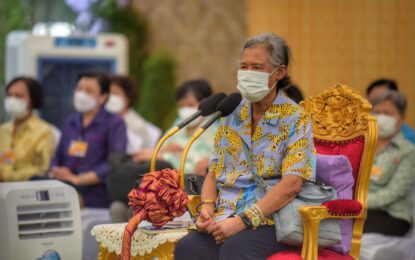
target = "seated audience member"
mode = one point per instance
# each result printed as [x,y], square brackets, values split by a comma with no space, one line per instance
[234,223]
[188,97]
[380,86]
[294,92]
[389,197]
[26,141]
[89,136]
[140,133]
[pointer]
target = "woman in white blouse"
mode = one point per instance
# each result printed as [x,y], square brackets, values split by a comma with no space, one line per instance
[140,133]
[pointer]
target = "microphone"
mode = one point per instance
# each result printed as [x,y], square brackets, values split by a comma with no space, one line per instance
[224,108]
[205,108]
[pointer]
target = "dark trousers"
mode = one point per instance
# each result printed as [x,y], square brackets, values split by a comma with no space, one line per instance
[248,244]
[381,222]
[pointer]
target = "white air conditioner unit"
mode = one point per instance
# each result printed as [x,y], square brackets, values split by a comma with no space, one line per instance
[26,53]
[39,220]
[57,61]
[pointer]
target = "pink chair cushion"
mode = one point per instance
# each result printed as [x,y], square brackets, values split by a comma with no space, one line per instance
[323,254]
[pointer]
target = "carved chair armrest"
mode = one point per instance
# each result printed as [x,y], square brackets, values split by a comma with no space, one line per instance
[312,216]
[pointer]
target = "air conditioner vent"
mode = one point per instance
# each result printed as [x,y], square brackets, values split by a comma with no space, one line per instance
[45,220]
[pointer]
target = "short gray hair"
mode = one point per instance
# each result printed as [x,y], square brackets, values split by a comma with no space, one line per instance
[276,46]
[397,98]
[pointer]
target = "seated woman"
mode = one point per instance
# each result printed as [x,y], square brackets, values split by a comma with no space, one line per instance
[89,136]
[188,97]
[276,133]
[26,141]
[140,133]
[389,197]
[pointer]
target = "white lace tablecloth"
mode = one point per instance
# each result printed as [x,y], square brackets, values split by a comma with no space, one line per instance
[109,236]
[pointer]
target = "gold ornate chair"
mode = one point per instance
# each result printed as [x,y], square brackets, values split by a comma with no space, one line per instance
[342,125]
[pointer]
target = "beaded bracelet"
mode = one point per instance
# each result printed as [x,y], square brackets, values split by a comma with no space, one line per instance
[205,202]
[255,216]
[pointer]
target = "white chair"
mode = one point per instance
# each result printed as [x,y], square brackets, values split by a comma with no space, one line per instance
[154,132]
[56,134]
[381,247]
[91,217]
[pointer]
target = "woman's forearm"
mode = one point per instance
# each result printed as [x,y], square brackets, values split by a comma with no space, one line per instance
[209,191]
[280,195]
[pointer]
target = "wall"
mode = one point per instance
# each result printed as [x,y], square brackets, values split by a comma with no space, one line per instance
[205,36]
[343,41]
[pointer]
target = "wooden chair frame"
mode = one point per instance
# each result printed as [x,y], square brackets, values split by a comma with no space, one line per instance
[340,114]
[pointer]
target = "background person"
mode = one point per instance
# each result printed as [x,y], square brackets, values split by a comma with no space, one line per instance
[380,86]
[188,97]
[392,180]
[140,133]
[26,141]
[89,137]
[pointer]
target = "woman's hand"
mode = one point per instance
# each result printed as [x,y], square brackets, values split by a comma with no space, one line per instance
[205,218]
[226,228]
[144,155]
[64,174]
[173,148]
[203,222]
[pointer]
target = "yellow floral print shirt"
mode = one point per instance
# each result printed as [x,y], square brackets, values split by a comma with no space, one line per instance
[281,144]
[28,151]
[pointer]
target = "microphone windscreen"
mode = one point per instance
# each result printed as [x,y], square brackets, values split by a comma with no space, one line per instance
[228,104]
[209,105]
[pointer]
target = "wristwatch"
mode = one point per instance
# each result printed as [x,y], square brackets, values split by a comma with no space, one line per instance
[245,219]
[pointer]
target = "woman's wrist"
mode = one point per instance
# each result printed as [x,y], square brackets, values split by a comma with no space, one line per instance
[253,216]
[209,204]
[208,208]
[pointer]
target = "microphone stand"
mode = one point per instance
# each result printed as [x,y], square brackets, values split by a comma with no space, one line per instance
[194,200]
[195,136]
[159,144]
[168,135]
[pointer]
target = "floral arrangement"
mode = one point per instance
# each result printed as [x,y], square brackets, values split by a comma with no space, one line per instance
[158,199]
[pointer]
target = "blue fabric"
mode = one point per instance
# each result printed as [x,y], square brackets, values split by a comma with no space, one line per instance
[106,134]
[281,144]
[408,132]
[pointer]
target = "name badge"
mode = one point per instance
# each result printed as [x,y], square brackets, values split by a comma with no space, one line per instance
[376,171]
[78,148]
[8,157]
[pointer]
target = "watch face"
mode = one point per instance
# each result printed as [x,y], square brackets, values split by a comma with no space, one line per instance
[256,222]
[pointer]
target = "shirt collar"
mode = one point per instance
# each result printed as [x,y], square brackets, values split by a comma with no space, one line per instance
[245,112]
[398,140]
[29,124]
[100,118]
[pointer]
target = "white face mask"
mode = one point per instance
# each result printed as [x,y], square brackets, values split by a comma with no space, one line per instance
[386,125]
[84,102]
[253,85]
[115,104]
[185,112]
[16,107]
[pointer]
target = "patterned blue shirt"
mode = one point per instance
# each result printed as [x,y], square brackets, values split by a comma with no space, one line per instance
[281,144]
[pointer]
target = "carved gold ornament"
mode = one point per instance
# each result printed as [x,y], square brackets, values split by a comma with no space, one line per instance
[339,113]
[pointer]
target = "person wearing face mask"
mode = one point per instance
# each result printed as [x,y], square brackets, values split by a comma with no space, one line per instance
[380,86]
[269,130]
[89,137]
[140,133]
[393,178]
[26,141]
[188,97]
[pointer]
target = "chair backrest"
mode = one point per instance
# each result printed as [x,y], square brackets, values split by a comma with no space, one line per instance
[342,124]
